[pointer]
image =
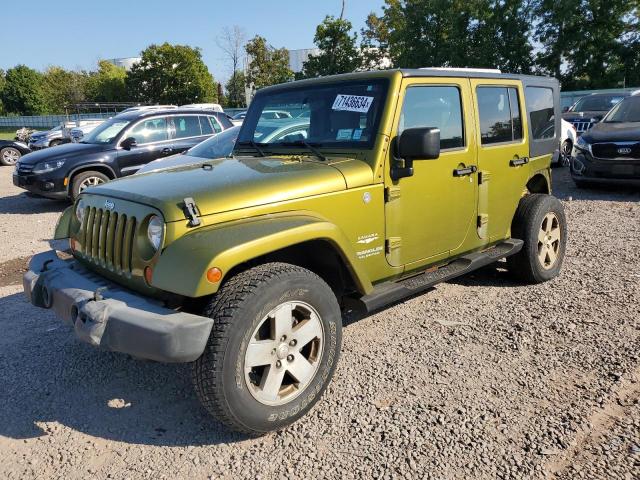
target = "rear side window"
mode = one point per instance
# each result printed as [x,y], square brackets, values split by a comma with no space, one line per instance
[500,117]
[434,106]
[215,124]
[205,126]
[186,126]
[540,104]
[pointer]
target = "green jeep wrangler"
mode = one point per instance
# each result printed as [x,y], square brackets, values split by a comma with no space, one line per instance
[386,184]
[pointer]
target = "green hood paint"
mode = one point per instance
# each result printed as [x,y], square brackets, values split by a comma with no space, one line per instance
[231,184]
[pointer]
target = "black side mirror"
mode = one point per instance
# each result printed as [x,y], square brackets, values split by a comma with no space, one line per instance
[415,144]
[565,109]
[128,143]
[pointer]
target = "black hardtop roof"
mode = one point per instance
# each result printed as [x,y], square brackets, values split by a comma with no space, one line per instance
[416,72]
[135,115]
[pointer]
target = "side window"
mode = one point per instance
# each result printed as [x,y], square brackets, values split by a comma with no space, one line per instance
[186,126]
[216,125]
[540,103]
[205,126]
[500,117]
[440,107]
[149,131]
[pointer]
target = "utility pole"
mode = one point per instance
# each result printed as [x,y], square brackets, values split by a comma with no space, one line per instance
[342,11]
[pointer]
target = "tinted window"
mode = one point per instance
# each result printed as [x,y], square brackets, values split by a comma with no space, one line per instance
[205,126]
[215,124]
[540,104]
[496,118]
[186,126]
[626,111]
[434,107]
[152,130]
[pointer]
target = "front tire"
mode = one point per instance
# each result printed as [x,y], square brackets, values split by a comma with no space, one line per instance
[273,348]
[541,223]
[84,180]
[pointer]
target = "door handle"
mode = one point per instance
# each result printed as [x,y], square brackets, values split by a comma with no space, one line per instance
[516,162]
[167,150]
[461,172]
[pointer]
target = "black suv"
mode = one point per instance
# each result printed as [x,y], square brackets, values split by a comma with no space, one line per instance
[610,151]
[118,147]
[590,109]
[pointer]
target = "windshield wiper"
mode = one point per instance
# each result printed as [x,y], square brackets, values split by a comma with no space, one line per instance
[309,146]
[254,145]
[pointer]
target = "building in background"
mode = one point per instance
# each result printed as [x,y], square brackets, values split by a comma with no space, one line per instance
[126,62]
[298,57]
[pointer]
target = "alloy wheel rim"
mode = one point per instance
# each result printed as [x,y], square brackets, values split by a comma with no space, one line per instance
[549,241]
[90,182]
[10,155]
[283,354]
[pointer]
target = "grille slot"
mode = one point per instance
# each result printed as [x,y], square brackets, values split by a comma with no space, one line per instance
[108,238]
[582,126]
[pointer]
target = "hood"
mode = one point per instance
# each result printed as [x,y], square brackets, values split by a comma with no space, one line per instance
[63,151]
[231,184]
[613,132]
[584,116]
[173,161]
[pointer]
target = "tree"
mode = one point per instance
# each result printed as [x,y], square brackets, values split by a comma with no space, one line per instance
[267,65]
[588,47]
[107,84]
[171,74]
[235,87]
[22,93]
[450,33]
[61,88]
[338,52]
[374,47]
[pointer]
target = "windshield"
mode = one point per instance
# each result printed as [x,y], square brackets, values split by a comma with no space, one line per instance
[106,132]
[596,103]
[626,111]
[345,114]
[218,146]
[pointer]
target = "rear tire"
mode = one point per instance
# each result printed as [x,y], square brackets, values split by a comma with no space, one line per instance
[273,348]
[541,223]
[9,156]
[85,180]
[55,143]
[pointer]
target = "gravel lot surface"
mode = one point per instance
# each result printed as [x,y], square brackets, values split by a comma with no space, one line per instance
[480,378]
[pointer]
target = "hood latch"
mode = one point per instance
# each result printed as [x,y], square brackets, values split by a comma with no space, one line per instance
[191,212]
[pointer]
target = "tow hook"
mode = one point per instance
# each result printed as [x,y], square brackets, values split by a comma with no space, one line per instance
[97,295]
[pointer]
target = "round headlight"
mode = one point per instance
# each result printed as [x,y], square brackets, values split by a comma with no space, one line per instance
[155,231]
[80,211]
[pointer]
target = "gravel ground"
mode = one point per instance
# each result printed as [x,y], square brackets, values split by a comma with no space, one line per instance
[480,378]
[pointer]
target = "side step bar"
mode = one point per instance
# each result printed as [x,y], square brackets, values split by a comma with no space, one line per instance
[390,292]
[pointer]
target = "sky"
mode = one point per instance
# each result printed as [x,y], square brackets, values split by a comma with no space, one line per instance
[78,34]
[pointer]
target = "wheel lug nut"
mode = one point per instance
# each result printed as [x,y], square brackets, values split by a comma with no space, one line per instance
[278,364]
[292,343]
[284,337]
[290,358]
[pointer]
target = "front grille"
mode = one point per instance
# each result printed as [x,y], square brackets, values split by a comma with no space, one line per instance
[582,126]
[616,150]
[107,239]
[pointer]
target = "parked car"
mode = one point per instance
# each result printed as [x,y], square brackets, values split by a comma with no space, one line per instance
[118,147]
[140,108]
[238,118]
[46,139]
[242,266]
[275,114]
[286,130]
[568,138]
[83,125]
[218,146]
[78,133]
[204,106]
[610,151]
[11,151]
[590,109]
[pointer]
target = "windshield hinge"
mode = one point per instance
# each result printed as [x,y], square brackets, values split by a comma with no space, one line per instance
[191,212]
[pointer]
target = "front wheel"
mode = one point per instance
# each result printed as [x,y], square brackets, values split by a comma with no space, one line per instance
[273,349]
[84,180]
[541,223]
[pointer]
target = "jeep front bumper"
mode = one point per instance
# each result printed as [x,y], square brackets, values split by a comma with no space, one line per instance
[111,317]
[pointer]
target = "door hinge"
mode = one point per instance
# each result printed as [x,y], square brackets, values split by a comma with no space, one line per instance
[483,177]
[393,243]
[482,224]
[391,193]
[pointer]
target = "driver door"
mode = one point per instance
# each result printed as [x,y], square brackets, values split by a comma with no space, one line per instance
[152,142]
[431,212]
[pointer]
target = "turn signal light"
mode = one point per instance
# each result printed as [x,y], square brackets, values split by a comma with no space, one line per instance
[148,275]
[214,275]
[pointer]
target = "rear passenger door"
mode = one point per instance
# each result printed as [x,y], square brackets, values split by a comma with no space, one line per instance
[503,163]
[188,130]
